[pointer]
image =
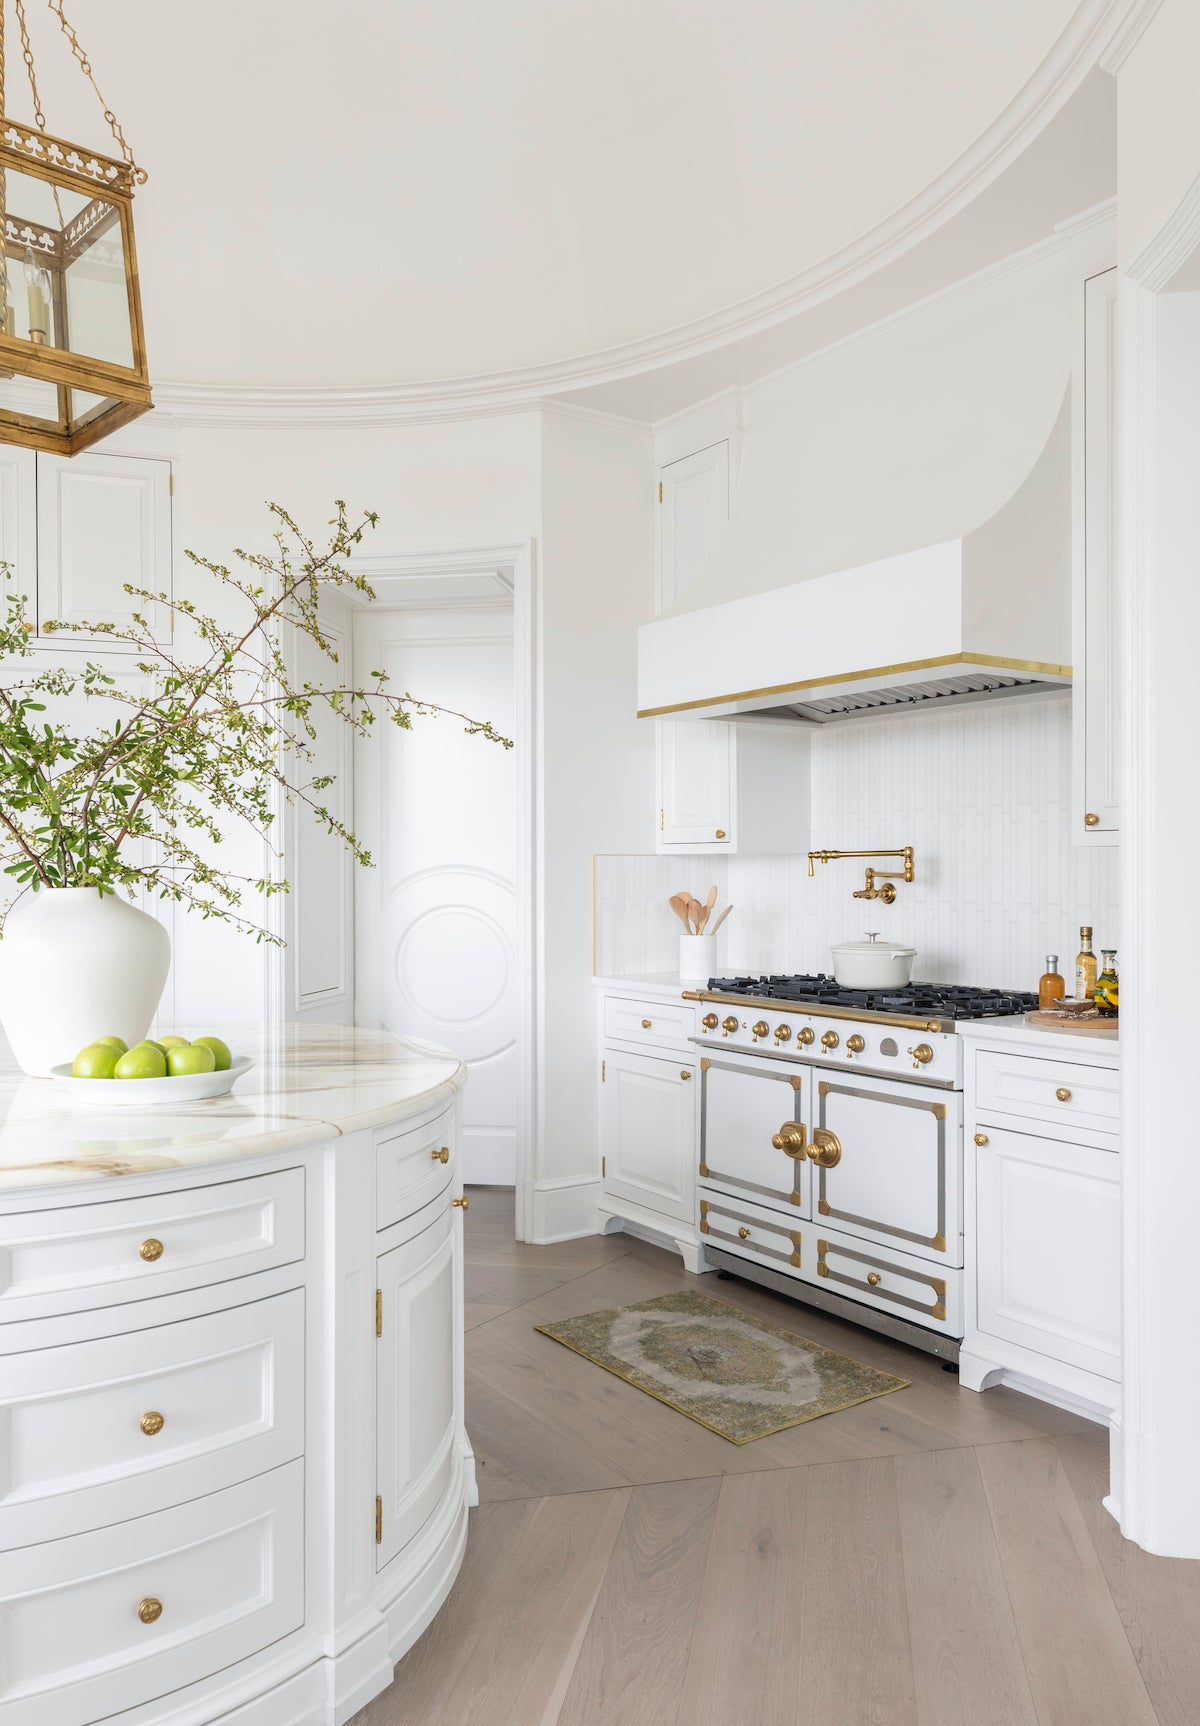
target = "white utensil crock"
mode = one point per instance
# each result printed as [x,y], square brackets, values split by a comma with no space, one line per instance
[872,964]
[697,958]
[76,965]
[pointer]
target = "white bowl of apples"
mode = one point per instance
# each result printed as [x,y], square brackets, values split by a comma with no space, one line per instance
[171,1070]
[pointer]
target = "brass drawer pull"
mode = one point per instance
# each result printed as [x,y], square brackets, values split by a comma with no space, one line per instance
[149,1610]
[874,1278]
[720,833]
[442,1156]
[791,1139]
[462,1204]
[151,1250]
[151,1422]
[685,1073]
[981,1139]
[743,1234]
[1091,820]
[826,1148]
[645,1024]
[1063,1094]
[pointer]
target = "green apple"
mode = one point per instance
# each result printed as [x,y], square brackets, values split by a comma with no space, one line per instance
[117,1043]
[221,1050]
[149,1043]
[97,1061]
[169,1043]
[191,1058]
[143,1062]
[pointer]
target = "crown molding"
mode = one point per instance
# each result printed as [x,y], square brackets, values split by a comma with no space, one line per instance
[1176,241]
[1126,34]
[1096,28]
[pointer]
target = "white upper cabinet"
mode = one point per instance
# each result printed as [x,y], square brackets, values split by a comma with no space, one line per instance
[18,519]
[696,768]
[694,502]
[1097,693]
[102,521]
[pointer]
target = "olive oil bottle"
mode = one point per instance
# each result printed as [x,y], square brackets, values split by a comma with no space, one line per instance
[1085,966]
[1107,988]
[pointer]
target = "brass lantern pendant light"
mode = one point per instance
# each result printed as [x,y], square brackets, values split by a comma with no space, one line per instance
[72,351]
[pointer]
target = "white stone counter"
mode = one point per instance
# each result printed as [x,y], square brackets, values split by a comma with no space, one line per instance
[1016,1034]
[309,1084]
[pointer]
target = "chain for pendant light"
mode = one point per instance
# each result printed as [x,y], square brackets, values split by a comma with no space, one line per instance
[3,200]
[27,55]
[85,65]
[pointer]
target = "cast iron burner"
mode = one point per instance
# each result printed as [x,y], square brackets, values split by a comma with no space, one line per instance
[940,1000]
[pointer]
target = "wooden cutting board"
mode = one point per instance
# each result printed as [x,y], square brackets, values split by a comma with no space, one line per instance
[1074,1027]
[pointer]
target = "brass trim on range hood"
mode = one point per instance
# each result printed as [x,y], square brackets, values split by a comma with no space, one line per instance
[1035,666]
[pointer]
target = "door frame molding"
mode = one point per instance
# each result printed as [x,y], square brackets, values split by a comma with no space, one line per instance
[515,566]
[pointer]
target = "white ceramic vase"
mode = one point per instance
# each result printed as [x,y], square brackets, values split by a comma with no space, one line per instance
[697,958]
[76,965]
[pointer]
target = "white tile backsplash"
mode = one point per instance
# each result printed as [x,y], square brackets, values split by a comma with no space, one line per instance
[982,793]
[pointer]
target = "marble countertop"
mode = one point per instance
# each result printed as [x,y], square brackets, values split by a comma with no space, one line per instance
[309,1084]
[1015,1033]
[664,985]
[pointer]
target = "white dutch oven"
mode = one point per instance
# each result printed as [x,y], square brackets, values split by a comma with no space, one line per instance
[872,964]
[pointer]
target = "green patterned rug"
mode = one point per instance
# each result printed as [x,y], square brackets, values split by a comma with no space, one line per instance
[732,1372]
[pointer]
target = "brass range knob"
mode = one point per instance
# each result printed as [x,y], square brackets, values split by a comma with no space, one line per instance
[709,1022]
[442,1156]
[826,1148]
[743,1234]
[152,1422]
[727,1025]
[783,1033]
[805,1035]
[1063,1094]
[150,1250]
[874,1278]
[790,1139]
[149,1610]
[830,1040]
[982,1139]
[855,1044]
[921,1054]
[761,1029]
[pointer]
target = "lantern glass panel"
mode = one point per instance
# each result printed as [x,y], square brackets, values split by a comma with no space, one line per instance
[66,269]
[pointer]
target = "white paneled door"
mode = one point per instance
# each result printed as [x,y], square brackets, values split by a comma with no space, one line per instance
[435,920]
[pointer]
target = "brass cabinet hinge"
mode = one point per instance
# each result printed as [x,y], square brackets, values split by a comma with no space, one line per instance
[660,491]
[171,485]
[603,1072]
[603,1167]
[661,821]
[379,1522]
[378,1312]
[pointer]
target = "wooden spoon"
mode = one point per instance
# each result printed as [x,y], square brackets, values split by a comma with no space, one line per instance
[720,919]
[695,911]
[706,910]
[679,904]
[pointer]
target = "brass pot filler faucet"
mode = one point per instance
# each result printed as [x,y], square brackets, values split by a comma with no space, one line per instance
[869,890]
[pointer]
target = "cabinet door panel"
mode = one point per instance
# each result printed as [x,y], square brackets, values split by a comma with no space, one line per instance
[649,1116]
[415,1397]
[103,520]
[1049,1245]
[696,766]
[695,502]
[744,1105]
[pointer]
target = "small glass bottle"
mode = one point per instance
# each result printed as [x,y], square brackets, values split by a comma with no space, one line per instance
[1051,988]
[1085,966]
[1107,987]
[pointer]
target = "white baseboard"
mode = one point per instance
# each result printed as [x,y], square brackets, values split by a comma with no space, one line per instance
[564,1210]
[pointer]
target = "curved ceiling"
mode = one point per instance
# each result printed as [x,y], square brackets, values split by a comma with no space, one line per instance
[399,191]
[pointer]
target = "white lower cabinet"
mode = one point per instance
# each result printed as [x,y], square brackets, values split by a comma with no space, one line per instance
[649,1131]
[415,1401]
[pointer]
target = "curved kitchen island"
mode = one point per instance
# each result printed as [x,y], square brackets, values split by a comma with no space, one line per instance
[236,1475]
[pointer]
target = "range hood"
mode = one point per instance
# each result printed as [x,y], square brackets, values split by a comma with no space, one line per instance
[981,617]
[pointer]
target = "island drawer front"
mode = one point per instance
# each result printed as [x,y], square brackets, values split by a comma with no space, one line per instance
[98,1432]
[227,1571]
[79,1256]
[1075,1097]
[660,1024]
[412,1168]
[911,1288]
[754,1232]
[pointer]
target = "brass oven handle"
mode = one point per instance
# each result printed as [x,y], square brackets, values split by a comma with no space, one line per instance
[791,1139]
[826,1148]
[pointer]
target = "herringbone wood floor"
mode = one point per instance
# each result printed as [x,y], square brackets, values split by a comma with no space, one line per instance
[933,1558]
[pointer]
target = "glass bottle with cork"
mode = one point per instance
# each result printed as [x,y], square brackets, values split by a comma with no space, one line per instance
[1085,966]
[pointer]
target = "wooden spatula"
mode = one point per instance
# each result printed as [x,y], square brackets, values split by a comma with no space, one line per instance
[720,919]
[706,910]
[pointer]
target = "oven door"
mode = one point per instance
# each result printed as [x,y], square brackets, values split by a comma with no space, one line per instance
[887,1161]
[746,1103]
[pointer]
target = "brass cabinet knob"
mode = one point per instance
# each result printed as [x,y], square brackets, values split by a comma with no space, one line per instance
[826,1148]
[1091,821]
[151,1250]
[743,1234]
[874,1278]
[855,1044]
[981,1139]
[761,1029]
[685,1072]
[1063,1094]
[645,1024]
[442,1156]
[791,1139]
[463,1204]
[921,1054]
[720,833]
[783,1033]
[805,1035]
[830,1040]
[709,1022]
[727,1025]
[151,1422]
[149,1610]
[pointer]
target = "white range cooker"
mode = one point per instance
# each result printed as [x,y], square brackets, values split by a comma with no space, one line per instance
[830,1144]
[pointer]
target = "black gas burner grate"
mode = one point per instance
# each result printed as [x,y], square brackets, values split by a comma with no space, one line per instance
[941,1000]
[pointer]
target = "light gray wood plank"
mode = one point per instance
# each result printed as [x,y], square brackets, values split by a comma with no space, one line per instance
[524,1451]
[966,1654]
[744,1662]
[854,1655]
[1158,1599]
[630,1668]
[1079,1664]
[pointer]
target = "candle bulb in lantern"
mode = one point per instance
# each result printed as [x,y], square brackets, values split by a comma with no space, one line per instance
[37,285]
